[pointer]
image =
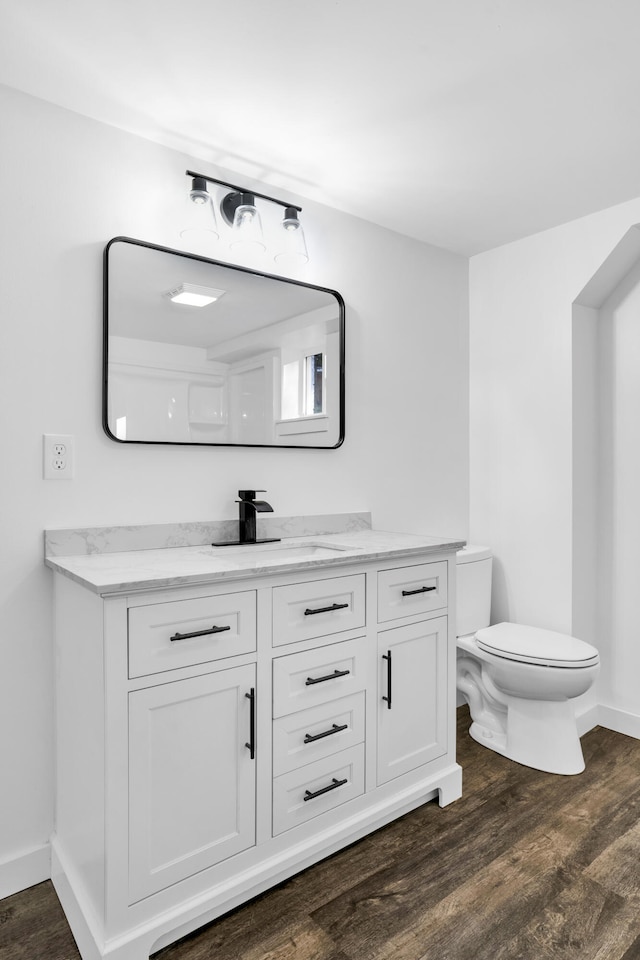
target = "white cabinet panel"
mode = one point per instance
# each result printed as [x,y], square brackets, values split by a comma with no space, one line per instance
[304,679]
[302,794]
[181,633]
[309,735]
[406,591]
[191,777]
[412,725]
[302,611]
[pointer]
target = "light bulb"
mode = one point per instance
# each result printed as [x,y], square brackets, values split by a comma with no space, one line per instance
[199,228]
[247,226]
[293,248]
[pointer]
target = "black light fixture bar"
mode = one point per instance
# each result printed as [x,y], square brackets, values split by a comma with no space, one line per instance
[244,190]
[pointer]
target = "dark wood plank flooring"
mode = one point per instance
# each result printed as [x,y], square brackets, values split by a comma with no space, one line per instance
[527,866]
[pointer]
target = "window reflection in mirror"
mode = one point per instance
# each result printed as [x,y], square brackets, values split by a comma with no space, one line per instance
[314,377]
[303,386]
[261,364]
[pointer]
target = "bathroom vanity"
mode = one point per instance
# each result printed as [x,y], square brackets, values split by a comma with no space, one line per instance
[226,717]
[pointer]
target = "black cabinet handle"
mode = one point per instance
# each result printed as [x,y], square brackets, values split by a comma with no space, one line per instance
[251,745]
[310,737]
[198,633]
[334,606]
[308,795]
[387,656]
[410,593]
[330,676]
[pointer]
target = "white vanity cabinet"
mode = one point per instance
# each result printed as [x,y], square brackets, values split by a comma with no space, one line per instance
[215,738]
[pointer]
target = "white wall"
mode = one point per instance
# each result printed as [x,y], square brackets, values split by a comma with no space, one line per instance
[525,487]
[70,184]
[587,593]
[618,574]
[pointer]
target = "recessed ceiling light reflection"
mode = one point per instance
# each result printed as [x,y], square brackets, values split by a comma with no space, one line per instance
[193,295]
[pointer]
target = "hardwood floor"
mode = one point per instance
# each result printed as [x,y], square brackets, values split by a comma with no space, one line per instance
[526,866]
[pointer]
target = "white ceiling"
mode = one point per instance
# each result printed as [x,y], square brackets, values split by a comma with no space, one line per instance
[464,123]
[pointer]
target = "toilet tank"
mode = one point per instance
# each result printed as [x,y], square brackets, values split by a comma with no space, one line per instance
[473,589]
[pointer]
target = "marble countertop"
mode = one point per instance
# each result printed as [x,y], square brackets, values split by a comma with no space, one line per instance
[133,571]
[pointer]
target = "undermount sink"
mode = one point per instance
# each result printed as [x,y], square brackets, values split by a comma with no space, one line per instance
[283,551]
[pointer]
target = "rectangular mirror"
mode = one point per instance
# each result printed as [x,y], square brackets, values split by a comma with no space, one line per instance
[262,364]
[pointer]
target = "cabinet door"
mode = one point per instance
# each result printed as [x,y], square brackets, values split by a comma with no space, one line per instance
[412,723]
[191,777]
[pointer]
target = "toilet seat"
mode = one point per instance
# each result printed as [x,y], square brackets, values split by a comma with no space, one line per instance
[513,641]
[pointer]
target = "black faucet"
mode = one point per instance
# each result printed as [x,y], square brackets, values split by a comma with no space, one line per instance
[249,507]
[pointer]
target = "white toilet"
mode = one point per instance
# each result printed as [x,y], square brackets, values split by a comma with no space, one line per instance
[517,680]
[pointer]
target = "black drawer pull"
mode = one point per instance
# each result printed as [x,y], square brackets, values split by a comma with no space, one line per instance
[308,795]
[334,606]
[410,593]
[330,676]
[198,633]
[251,745]
[387,656]
[310,737]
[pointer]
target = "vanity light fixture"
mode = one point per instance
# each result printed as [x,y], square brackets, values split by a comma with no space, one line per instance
[193,294]
[239,211]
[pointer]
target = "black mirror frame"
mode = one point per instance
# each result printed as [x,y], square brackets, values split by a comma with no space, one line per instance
[230,266]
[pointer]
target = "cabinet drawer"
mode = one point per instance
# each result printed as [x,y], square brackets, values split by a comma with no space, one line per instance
[161,635]
[318,732]
[306,679]
[317,787]
[406,591]
[302,611]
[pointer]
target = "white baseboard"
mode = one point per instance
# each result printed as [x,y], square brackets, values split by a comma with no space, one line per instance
[619,720]
[587,719]
[25,870]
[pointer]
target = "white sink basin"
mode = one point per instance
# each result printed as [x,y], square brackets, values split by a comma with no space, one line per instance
[253,553]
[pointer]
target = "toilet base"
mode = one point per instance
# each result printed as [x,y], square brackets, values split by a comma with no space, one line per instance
[542,734]
[488,738]
[539,734]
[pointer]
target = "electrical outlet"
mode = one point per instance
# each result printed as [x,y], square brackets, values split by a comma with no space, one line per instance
[57,456]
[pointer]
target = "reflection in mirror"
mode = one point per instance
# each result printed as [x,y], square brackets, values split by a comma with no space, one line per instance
[197,351]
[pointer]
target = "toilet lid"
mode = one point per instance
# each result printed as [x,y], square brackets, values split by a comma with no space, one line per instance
[533,645]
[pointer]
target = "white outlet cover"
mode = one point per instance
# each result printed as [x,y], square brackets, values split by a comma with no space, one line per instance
[57,456]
